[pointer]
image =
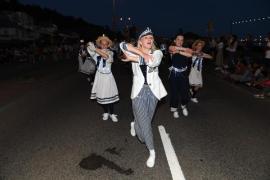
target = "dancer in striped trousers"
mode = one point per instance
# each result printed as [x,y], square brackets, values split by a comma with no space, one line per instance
[147,88]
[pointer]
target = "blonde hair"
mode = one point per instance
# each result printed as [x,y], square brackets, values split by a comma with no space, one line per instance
[153,48]
[105,38]
[198,41]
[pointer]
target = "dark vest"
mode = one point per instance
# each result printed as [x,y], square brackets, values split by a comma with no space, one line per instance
[179,61]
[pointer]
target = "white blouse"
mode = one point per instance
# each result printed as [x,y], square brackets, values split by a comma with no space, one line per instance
[103,65]
[152,76]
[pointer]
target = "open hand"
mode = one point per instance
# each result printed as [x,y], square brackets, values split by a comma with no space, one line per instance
[91,47]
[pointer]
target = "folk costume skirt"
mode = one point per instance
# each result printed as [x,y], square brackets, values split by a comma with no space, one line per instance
[195,77]
[104,89]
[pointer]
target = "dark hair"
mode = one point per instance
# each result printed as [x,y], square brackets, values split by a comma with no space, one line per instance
[221,39]
[178,34]
[234,37]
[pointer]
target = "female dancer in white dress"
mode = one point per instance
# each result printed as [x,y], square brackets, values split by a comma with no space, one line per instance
[147,88]
[195,75]
[104,88]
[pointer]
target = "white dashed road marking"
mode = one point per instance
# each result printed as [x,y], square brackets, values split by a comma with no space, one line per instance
[173,162]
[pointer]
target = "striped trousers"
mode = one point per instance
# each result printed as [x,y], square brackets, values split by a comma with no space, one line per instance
[144,106]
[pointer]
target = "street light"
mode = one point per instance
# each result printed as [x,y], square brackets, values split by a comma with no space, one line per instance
[125,21]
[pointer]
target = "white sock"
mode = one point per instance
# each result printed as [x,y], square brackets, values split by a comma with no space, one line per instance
[132,129]
[151,160]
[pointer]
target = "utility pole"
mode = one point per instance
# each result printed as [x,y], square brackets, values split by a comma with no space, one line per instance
[113,15]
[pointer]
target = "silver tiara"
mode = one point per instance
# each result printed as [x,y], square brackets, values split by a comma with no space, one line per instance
[148,31]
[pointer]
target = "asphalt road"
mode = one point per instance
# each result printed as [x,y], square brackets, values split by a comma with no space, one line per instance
[55,132]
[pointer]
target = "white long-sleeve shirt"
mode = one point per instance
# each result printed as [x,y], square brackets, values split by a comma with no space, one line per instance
[152,77]
[103,65]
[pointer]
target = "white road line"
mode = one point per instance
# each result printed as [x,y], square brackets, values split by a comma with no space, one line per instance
[177,173]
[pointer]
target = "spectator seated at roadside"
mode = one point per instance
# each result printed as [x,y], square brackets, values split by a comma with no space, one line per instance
[265,86]
[241,72]
[258,75]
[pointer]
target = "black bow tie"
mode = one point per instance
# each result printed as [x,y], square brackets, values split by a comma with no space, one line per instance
[99,58]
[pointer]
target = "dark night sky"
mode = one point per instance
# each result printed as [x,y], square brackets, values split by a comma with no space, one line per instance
[166,17]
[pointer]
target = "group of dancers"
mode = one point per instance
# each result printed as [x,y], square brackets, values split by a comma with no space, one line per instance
[147,87]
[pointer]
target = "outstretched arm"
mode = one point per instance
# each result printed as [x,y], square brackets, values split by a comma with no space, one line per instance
[185,54]
[102,53]
[135,50]
[180,50]
[157,57]
[207,56]
[92,50]
[131,48]
[128,58]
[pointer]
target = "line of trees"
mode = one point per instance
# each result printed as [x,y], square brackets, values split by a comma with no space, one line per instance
[66,24]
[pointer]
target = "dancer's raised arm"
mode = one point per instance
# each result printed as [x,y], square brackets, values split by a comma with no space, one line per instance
[92,50]
[180,50]
[136,51]
[207,56]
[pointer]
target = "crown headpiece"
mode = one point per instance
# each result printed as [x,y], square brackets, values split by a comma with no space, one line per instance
[146,32]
